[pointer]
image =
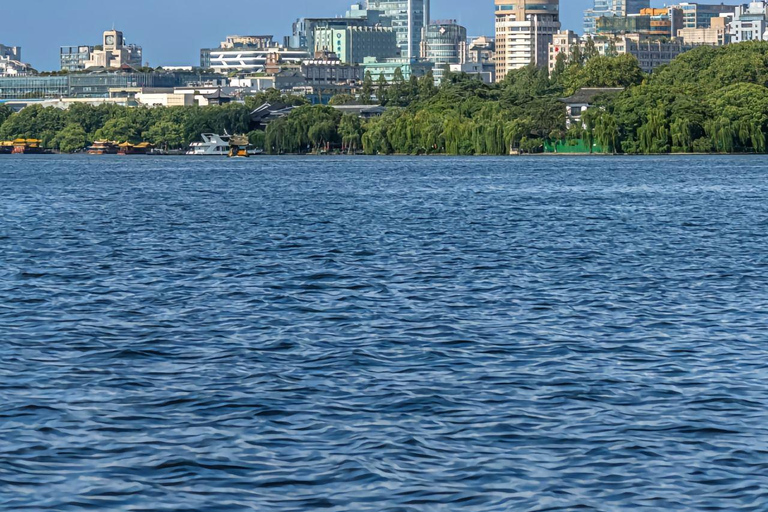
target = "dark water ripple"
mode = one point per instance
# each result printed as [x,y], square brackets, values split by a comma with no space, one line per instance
[383,334]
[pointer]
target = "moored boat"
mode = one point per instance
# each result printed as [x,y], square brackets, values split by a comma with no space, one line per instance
[103,147]
[212,145]
[126,148]
[27,146]
[238,147]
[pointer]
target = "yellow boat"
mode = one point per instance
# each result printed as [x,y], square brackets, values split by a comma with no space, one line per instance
[29,146]
[238,146]
[126,148]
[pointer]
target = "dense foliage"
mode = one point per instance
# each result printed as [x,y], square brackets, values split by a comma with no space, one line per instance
[707,100]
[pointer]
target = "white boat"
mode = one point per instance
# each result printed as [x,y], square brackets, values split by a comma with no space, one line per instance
[212,145]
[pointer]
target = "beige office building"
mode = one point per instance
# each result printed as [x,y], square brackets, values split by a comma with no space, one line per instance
[524,31]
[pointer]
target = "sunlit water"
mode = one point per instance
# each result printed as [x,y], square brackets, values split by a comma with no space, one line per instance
[393,334]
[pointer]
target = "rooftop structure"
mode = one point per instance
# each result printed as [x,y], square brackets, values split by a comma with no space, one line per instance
[10,52]
[252,60]
[113,53]
[257,42]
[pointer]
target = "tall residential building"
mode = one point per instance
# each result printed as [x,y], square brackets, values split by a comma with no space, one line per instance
[408,18]
[444,43]
[524,30]
[610,8]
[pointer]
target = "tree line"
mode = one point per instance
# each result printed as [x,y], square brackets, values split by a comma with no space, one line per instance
[707,100]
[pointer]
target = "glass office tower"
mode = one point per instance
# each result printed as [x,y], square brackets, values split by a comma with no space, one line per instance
[408,18]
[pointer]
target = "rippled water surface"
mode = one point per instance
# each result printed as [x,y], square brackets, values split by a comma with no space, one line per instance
[383,334]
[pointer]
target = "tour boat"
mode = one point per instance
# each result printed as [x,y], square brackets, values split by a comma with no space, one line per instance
[126,148]
[23,146]
[103,147]
[212,145]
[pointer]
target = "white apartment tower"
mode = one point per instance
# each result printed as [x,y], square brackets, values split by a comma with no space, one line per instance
[524,30]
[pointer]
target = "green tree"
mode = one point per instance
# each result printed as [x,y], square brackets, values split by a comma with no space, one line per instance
[70,139]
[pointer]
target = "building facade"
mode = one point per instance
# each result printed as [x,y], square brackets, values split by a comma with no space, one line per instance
[750,23]
[92,85]
[482,49]
[74,58]
[444,44]
[651,52]
[247,42]
[524,31]
[716,35]
[407,18]
[388,67]
[10,67]
[10,52]
[249,60]
[303,37]
[649,22]
[484,71]
[353,44]
[611,8]
[114,53]
[562,42]
[697,15]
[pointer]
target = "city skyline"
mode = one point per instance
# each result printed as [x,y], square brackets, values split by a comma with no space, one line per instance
[175,34]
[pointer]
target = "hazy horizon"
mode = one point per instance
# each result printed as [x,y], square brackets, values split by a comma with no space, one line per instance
[172,32]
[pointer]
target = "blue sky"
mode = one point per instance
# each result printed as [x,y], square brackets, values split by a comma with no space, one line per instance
[173,31]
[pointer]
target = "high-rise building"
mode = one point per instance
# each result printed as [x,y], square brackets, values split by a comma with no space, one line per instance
[524,30]
[444,43]
[609,8]
[408,18]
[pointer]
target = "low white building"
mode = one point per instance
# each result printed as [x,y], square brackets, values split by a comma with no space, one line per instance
[165,99]
[9,67]
[252,60]
[750,23]
[485,71]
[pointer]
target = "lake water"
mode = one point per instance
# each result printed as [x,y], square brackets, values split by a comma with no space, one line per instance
[383,334]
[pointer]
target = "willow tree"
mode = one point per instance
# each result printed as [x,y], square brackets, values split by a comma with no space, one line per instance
[607,132]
